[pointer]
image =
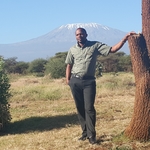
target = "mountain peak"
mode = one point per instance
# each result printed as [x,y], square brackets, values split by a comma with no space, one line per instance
[83,25]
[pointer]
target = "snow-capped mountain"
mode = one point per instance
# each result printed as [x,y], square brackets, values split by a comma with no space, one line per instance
[60,40]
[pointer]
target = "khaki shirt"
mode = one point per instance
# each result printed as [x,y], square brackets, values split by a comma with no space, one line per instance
[84,59]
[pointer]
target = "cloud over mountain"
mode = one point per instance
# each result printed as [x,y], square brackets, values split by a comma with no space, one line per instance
[60,40]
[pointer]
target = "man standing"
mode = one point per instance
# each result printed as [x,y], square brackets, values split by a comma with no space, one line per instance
[80,76]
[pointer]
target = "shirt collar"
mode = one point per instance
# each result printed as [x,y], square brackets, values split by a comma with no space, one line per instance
[84,44]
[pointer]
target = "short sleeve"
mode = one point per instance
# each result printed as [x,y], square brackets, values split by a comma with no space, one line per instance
[69,58]
[104,49]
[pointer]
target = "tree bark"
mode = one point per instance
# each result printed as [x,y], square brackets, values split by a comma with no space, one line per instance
[146,22]
[139,127]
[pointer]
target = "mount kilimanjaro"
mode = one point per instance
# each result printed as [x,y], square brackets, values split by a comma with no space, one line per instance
[60,40]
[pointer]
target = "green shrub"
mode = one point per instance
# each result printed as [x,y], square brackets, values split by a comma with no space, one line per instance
[37,66]
[56,67]
[5,116]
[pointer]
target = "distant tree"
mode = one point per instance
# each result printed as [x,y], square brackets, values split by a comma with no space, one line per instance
[119,54]
[61,55]
[21,67]
[37,66]
[125,64]
[115,62]
[5,116]
[109,63]
[10,64]
[56,65]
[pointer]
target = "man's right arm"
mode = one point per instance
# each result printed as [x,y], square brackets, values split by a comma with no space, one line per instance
[68,73]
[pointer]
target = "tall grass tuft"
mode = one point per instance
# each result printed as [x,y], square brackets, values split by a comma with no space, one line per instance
[120,84]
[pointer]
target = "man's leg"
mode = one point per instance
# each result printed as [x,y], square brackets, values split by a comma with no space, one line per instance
[77,92]
[90,112]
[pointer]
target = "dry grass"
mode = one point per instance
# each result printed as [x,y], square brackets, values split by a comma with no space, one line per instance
[44,115]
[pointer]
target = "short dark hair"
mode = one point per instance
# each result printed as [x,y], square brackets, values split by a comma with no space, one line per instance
[82,29]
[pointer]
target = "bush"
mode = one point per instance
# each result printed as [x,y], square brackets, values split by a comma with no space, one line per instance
[56,66]
[5,116]
[37,66]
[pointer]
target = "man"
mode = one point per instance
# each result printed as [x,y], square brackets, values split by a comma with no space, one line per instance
[80,72]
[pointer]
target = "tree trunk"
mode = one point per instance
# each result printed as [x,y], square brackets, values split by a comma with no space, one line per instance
[139,127]
[146,22]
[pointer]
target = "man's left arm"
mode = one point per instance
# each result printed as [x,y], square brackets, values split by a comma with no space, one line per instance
[118,46]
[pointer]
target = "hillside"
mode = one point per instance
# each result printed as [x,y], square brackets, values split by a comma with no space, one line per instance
[60,40]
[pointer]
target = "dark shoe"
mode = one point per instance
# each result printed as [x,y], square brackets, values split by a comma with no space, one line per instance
[82,138]
[92,140]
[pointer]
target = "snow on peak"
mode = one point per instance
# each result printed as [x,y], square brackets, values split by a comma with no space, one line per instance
[84,25]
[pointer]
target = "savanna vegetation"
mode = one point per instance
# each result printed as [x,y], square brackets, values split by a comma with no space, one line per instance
[41,111]
[55,66]
[44,114]
[38,102]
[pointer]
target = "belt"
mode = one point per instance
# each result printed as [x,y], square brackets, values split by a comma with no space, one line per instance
[82,77]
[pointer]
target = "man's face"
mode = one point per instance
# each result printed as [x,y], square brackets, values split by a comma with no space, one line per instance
[80,36]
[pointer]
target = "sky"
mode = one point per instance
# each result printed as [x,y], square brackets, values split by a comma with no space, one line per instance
[22,20]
